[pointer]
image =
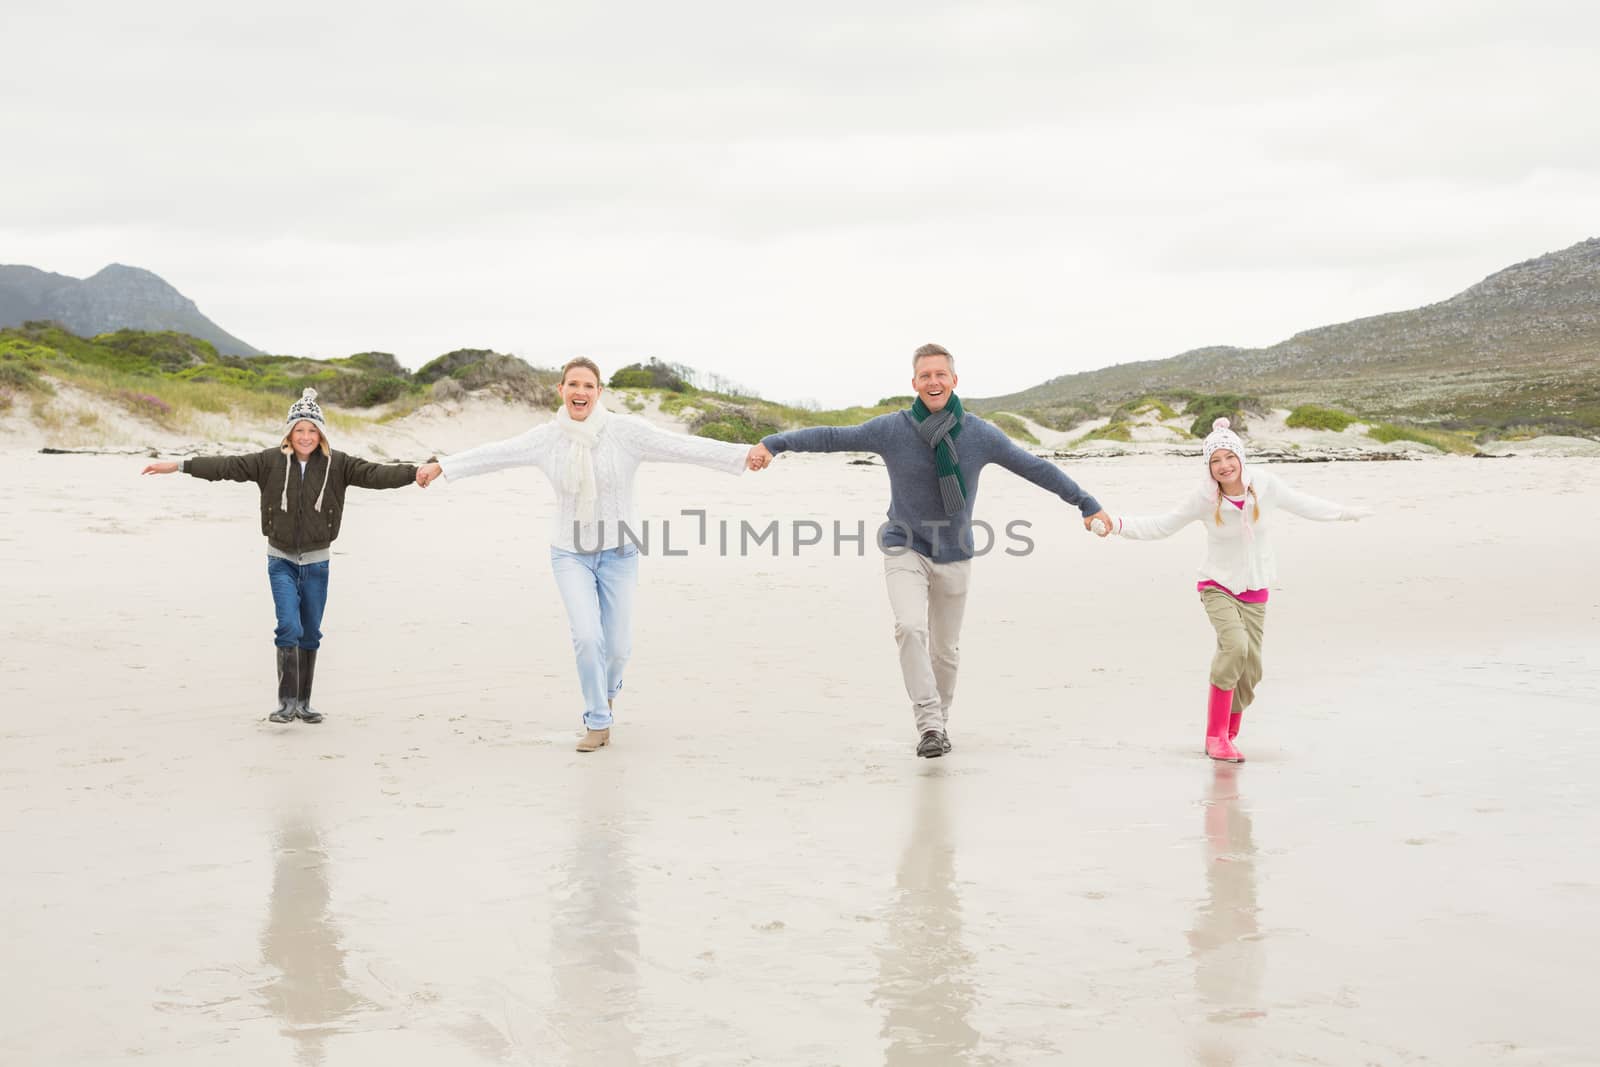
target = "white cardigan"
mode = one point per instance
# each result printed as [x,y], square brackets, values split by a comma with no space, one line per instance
[1236,558]
[626,442]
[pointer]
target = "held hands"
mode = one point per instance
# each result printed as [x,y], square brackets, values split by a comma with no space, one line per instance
[161,468]
[1100,524]
[427,473]
[759,457]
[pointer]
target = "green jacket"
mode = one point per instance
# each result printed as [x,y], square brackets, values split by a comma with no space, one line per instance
[301,527]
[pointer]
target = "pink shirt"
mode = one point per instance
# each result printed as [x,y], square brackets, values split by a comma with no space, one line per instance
[1249,596]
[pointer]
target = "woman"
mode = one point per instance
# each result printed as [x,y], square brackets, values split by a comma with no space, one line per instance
[590,456]
[301,508]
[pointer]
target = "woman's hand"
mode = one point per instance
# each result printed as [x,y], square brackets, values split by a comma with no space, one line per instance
[161,468]
[427,473]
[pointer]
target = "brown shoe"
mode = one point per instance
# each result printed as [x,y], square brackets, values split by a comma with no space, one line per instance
[595,739]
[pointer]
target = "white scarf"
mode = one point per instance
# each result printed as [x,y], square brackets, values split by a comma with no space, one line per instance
[578,474]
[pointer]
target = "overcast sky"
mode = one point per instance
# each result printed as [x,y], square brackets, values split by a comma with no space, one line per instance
[795,196]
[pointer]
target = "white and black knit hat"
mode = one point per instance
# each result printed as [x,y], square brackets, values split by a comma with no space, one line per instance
[306,408]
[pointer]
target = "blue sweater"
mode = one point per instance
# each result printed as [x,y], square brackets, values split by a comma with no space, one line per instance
[916,512]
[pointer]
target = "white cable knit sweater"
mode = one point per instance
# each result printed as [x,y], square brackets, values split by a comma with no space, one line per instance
[626,442]
[1239,552]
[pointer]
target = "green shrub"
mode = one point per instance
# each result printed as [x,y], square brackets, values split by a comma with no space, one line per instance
[735,430]
[457,365]
[1112,431]
[364,390]
[1206,409]
[1145,405]
[653,375]
[382,363]
[17,378]
[1387,433]
[632,378]
[1063,417]
[681,404]
[1312,417]
[1013,427]
[164,350]
[14,349]
[742,425]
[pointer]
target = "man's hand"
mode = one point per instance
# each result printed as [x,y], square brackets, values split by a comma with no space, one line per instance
[161,468]
[427,473]
[759,457]
[1106,524]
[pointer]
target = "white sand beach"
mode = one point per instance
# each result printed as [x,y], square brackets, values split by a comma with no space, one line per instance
[759,871]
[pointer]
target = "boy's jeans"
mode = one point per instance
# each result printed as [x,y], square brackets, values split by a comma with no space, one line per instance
[299,593]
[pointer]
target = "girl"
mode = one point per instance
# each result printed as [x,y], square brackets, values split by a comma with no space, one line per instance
[1236,505]
[300,513]
[590,456]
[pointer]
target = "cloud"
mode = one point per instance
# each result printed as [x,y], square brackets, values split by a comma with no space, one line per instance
[789,195]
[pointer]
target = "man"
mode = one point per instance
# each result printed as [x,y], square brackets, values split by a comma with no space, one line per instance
[935,452]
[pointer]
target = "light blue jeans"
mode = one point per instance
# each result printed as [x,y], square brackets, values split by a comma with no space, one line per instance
[598,589]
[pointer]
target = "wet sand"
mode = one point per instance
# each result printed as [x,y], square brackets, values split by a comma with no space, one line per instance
[760,871]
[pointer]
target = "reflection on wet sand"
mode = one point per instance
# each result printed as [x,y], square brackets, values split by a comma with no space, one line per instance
[1226,951]
[923,987]
[594,933]
[311,995]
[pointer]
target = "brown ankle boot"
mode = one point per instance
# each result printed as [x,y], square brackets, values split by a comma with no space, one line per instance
[595,739]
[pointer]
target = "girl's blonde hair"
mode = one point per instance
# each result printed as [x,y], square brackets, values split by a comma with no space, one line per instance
[322,440]
[1255,505]
[586,363]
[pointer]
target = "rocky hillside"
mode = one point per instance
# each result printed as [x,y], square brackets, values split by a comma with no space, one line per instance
[116,298]
[1518,351]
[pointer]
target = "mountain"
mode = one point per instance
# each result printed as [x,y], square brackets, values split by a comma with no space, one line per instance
[116,298]
[1520,348]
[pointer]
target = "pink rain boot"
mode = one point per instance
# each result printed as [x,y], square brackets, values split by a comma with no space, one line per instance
[1219,710]
[1233,724]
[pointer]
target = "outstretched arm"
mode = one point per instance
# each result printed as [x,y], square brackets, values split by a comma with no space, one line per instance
[1046,475]
[523,450]
[867,437]
[655,445]
[364,474]
[1314,507]
[246,468]
[1155,527]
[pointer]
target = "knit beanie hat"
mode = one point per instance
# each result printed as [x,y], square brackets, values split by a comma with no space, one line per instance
[1221,436]
[307,409]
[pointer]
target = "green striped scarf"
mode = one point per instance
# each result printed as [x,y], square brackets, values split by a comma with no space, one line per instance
[939,431]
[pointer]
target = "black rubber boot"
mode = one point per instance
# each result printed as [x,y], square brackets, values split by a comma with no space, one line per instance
[308,671]
[288,685]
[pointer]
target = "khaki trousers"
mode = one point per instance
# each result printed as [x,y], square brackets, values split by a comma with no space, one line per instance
[1237,662]
[928,600]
